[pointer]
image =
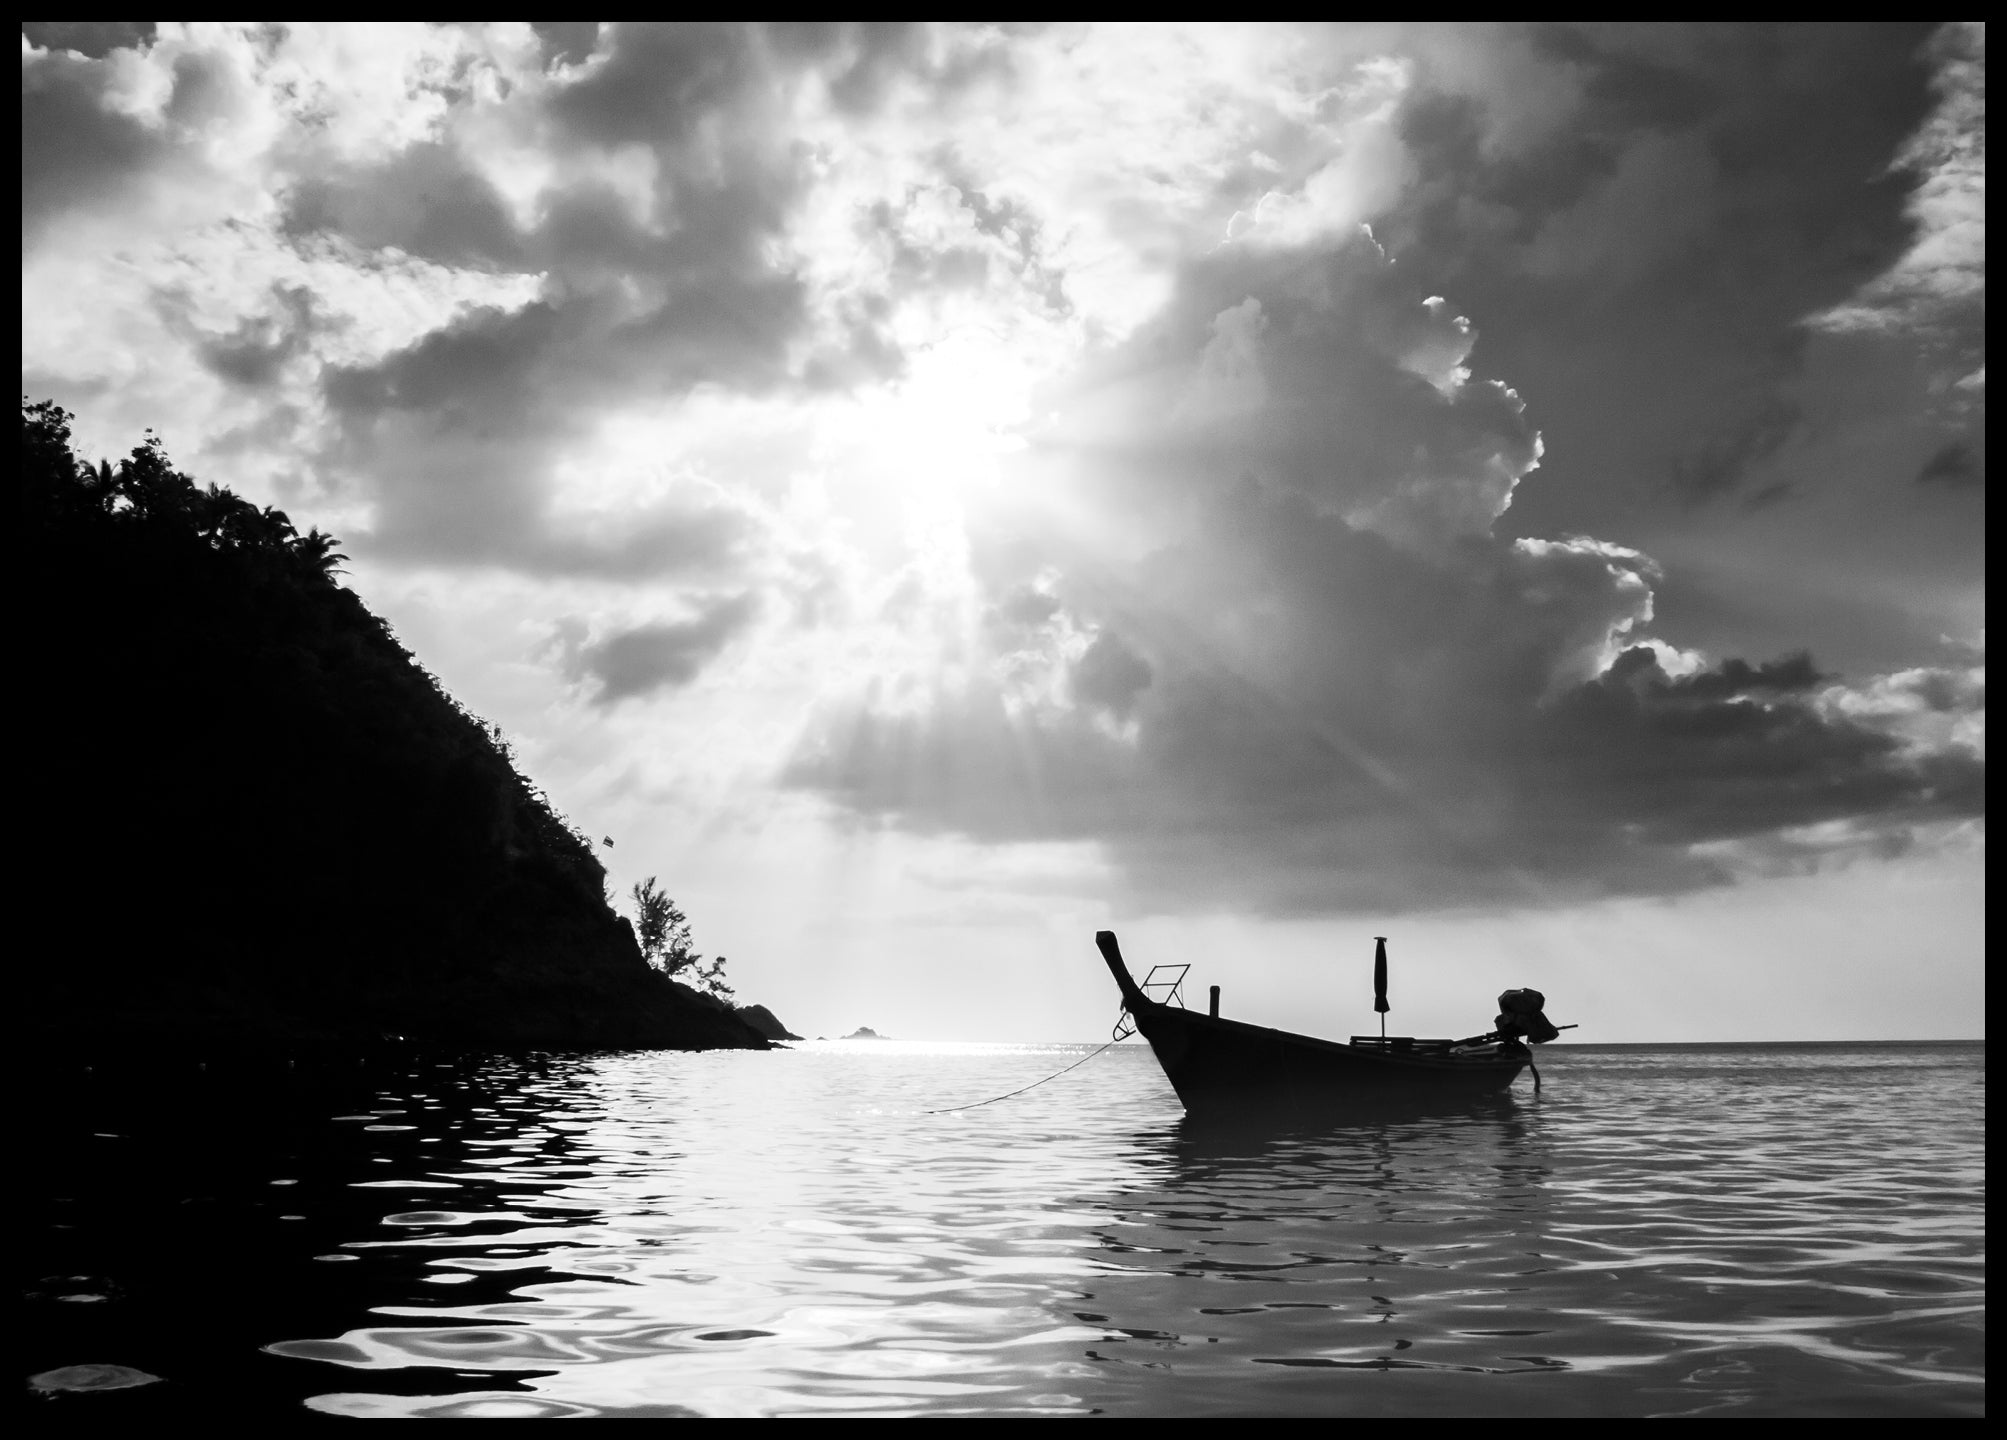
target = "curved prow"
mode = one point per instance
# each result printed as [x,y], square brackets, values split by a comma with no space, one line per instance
[1132,994]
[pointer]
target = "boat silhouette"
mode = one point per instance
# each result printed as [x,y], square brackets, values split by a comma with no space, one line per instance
[1218,1065]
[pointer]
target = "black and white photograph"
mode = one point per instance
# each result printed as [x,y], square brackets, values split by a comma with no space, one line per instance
[1208,720]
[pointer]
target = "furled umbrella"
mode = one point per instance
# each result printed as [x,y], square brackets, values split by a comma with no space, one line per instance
[1380,981]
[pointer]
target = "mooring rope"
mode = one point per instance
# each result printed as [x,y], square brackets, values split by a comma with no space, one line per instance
[1033,1086]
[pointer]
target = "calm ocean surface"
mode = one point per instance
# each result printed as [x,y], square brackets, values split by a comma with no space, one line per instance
[1781,1229]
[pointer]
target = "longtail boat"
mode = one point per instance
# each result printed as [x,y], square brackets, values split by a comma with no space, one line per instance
[1228,1065]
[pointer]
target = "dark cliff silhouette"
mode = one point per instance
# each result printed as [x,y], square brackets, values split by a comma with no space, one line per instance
[766,1022]
[250,815]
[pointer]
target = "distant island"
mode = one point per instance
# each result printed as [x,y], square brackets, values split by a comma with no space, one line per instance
[865,1032]
[250,817]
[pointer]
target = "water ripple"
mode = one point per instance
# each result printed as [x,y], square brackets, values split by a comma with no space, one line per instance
[1680,1230]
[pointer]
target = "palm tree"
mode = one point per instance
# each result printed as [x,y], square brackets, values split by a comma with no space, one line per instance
[317,548]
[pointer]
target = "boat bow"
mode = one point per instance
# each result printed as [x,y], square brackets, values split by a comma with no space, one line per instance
[1132,993]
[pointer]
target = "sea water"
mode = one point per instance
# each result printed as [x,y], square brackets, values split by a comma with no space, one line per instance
[1661,1230]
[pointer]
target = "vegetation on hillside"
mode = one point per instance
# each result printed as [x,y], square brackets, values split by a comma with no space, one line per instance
[249,806]
[664,932]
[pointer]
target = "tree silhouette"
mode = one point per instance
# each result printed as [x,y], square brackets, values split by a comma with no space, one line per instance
[664,933]
[662,929]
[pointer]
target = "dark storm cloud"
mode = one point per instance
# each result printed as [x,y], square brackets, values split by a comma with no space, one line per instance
[1384,736]
[638,662]
[1711,757]
[1728,266]
[75,151]
[1322,683]
[1645,266]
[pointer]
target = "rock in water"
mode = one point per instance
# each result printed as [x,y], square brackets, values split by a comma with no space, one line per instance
[766,1022]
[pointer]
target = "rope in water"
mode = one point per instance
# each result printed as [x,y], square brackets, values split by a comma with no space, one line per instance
[1033,1086]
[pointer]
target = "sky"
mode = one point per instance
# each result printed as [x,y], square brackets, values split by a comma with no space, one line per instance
[929,493]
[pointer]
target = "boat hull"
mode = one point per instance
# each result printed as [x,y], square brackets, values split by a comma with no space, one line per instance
[1219,1065]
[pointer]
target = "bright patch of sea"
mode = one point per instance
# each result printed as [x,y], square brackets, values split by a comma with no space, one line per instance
[1745,1229]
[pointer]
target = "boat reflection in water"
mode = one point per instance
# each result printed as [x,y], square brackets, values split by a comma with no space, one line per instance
[1291,1262]
[1228,1067]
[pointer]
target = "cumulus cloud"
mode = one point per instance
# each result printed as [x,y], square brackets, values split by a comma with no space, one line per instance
[678,196]
[1306,675]
[1647,216]
[1316,370]
[1272,590]
[1931,710]
[654,239]
[641,179]
[664,224]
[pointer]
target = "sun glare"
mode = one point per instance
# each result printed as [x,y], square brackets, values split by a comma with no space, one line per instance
[906,462]
[944,428]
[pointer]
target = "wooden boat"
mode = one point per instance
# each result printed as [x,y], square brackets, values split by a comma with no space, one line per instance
[1220,1065]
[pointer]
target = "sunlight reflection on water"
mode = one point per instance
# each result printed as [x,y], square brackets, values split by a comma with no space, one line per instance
[1667,1230]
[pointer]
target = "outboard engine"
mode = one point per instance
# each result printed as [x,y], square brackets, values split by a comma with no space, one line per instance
[1519,1014]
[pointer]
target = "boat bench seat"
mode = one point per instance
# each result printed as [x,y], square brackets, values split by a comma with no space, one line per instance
[1400,1042]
